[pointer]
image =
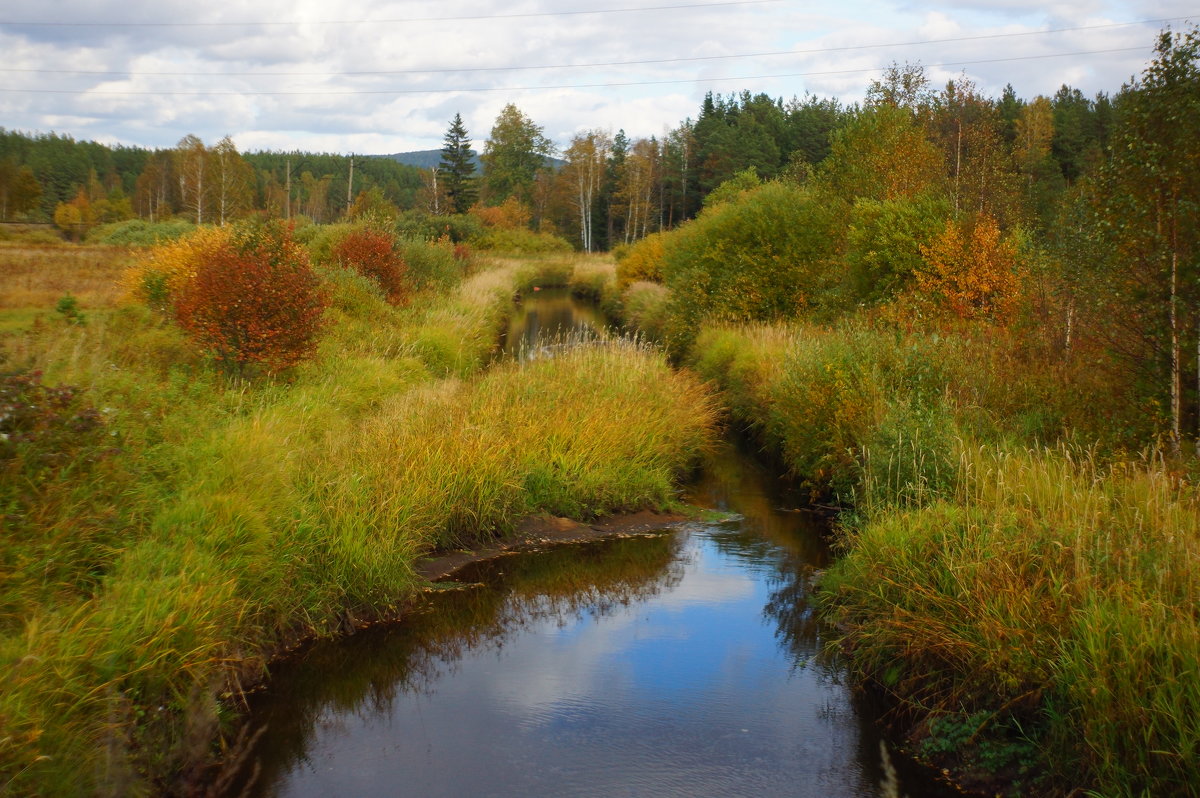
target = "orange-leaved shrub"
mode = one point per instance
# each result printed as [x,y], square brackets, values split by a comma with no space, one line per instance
[161,272]
[971,272]
[255,301]
[373,253]
[512,214]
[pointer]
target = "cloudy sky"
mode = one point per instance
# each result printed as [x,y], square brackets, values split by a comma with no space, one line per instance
[383,76]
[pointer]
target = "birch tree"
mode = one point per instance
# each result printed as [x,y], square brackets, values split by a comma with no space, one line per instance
[232,178]
[191,169]
[637,188]
[587,158]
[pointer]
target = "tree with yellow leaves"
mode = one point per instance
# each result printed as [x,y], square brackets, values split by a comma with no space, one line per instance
[971,270]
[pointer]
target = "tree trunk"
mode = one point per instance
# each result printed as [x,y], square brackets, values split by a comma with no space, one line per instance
[1176,372]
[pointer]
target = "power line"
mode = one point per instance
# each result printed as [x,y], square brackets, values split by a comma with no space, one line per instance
[548,87]
[468,18]
[812,51]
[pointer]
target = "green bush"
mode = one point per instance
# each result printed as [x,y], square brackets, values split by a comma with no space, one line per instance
[883,245]
[460,228]
[522,242]
[321,239]
[763,257]
[431,265]
[139,232]
[733,189]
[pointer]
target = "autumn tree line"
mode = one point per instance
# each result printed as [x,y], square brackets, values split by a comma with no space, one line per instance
[48,177]
[1088,204]
[1062,231]
[601,190]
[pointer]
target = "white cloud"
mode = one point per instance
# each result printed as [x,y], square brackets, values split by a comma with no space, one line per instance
[317,104]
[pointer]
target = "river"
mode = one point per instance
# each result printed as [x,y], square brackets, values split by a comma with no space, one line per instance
[686,662]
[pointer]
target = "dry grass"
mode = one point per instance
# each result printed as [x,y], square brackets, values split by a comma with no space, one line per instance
[37,277]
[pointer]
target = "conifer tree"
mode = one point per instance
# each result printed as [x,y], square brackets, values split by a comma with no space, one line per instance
[457,167]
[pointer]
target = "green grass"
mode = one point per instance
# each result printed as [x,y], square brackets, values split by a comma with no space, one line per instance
[1050,590]
[1032,609]
[228,520]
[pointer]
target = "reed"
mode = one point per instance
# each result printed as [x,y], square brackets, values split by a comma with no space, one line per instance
[1050,589]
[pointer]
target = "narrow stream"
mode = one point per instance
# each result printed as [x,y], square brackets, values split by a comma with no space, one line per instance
[545,318]
[681,663]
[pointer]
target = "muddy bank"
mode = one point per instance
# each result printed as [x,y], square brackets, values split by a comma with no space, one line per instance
[540,531]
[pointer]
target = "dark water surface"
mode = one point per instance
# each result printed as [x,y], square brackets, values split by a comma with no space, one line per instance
[546,317]
[684,663]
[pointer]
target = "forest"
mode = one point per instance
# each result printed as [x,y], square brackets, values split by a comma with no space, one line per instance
[967,326]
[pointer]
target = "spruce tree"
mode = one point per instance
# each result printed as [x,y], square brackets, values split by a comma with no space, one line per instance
[458,166]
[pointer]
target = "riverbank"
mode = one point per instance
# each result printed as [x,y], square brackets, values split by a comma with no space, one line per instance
[1029,609]
[540,531]
[205,523]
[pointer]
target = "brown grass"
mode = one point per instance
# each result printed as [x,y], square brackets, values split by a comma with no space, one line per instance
[37,277]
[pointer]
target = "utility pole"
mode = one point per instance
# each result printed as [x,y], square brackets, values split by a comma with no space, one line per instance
[287,190]
[350,186]
[437,209]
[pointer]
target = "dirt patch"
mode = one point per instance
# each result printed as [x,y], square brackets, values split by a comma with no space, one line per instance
[546,530]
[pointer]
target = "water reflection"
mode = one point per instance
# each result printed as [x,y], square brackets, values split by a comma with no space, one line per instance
[547,316]
[684,664]
[681,664]
[315,697]
[787,542]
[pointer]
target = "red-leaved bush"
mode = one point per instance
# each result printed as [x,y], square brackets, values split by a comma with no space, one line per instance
[373,254]
[254,301]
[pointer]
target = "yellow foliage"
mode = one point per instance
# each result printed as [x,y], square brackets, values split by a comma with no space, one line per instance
[971,272]
[160,273]
[512,214]
[642,261]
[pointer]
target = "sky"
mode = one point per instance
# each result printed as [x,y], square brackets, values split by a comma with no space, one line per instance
[386,76]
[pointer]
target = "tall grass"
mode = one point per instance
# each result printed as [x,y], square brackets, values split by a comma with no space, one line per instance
[835,404]
[1052,593]
[1032,607]
[232,519]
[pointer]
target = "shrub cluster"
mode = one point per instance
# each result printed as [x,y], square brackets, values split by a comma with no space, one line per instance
[139,232]
[642,260]
[459,227]
[763,257]
[373,253]
[434,265]
[161,273]
[254,300]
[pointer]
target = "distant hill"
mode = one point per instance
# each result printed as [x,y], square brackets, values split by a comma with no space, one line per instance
[422,159]
[427,159]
